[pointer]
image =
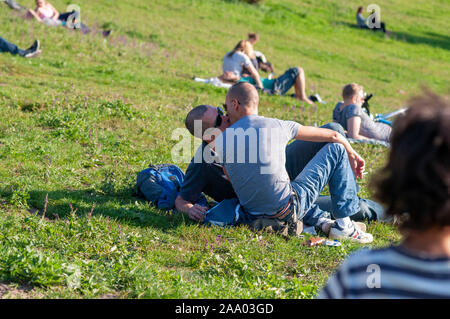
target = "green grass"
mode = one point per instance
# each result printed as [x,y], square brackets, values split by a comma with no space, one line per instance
[82,120]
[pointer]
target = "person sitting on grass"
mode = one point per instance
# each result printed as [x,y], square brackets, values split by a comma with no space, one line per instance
[239,67]
[362,22]
[207,177]
[237,63]
[263,64]
[414,185]
[262,184]
[355,121]
[32,52]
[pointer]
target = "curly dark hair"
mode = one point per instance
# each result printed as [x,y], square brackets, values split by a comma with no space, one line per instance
[415,183]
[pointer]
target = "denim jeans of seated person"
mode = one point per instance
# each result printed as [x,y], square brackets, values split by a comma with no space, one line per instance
[329,166]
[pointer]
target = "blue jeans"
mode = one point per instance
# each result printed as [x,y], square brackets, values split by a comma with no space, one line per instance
[369,210]
[6,46]
[329,166]
[284,82]
[298,155]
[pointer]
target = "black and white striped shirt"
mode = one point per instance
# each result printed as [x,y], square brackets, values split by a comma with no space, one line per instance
[389,273]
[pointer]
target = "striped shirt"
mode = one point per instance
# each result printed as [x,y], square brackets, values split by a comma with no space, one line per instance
[389,273]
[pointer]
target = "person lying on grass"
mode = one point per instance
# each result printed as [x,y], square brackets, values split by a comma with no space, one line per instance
[414,185]
[237,65]
[14,5]
[293,77]
[209,178]
[32,52]
[46,13]
[355,121]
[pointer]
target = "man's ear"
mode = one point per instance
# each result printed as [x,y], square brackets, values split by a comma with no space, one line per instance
[235,104]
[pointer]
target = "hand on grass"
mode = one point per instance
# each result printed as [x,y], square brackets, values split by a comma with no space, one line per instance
[197,212]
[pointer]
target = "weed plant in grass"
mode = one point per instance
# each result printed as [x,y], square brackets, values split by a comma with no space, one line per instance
[83,119]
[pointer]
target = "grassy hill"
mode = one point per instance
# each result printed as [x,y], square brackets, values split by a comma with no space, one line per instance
[79,122]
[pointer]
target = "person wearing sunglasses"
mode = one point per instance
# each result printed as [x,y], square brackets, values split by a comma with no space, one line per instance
[201,176]
[209,178]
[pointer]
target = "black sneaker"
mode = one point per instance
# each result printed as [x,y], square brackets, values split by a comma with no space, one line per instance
[36,46]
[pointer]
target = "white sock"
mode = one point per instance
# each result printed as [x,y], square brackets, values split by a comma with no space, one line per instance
[344,223]
[322,220]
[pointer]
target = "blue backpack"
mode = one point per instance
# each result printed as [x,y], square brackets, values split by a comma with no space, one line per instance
[160,184]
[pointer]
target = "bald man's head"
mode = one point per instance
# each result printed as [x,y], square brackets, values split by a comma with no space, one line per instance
[246,94]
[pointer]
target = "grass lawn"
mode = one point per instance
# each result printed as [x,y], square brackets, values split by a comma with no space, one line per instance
[79,122]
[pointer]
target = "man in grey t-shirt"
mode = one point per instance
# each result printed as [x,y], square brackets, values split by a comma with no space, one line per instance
[252,151]
[352,118]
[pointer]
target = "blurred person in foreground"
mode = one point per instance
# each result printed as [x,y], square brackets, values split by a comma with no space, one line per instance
[415,188]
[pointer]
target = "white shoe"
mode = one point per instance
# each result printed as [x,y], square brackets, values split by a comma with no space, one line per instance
[34,54]
[326,226]
[316,98]
[352,233]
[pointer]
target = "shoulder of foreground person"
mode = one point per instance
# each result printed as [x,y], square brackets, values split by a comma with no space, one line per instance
[389,273]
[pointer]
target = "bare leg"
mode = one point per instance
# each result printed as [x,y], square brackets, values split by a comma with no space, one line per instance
[299,86]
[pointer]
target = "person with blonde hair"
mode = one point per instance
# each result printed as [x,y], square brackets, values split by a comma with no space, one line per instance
[46,13]
[355,121]
[237,63]
[414,186]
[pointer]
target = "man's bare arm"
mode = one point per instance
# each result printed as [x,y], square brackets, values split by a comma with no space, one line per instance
[315,134]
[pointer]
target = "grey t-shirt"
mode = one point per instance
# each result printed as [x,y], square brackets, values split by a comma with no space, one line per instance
[235,63]
[368,128]
[252,151]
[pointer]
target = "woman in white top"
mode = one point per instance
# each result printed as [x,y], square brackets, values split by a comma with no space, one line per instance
[237,62]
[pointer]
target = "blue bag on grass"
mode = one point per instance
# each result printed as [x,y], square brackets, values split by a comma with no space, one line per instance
[160,184]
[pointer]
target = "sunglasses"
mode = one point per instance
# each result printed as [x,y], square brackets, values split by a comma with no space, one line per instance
[224,105]
[220,113]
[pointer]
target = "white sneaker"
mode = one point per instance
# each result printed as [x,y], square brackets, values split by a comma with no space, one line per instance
[34,54]
[326,226]
[316,98]
[353,234]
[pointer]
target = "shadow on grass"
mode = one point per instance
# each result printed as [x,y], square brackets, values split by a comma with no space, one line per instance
[122,206]
[432,39]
